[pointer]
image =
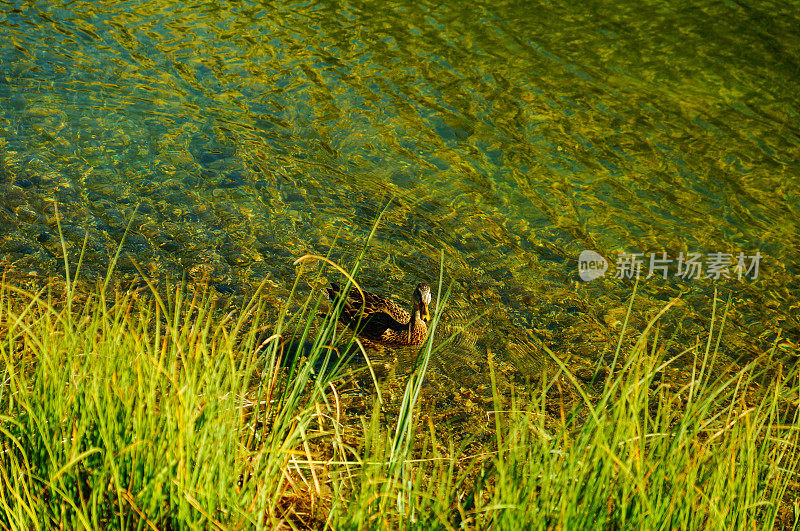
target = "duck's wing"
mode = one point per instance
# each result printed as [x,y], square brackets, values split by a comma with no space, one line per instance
[374,311]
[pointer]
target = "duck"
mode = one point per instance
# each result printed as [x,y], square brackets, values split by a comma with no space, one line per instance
[382,321]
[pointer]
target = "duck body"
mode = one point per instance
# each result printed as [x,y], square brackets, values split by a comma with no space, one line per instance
[382,321]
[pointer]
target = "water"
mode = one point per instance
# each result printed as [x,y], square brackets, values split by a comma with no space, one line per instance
[505,136]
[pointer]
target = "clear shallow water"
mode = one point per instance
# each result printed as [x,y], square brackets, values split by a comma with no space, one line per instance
[509,136]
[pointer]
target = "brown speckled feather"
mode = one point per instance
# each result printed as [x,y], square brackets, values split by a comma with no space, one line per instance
[382,321]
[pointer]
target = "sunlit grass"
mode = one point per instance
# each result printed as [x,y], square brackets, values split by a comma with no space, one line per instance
[719,453]
[148,410]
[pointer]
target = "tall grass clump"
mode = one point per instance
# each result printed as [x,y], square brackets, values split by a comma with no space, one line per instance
[147,412]
[718,452]
[150,410]
[381,485]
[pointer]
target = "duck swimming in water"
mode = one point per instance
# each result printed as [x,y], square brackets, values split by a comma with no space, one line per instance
[382,321]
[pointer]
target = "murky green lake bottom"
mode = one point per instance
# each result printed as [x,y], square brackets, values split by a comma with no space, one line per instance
[506,138]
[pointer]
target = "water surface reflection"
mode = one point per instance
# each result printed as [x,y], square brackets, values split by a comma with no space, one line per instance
[506,135]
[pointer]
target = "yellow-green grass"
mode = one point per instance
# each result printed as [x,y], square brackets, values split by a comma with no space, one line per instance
[133,412]
[153,410]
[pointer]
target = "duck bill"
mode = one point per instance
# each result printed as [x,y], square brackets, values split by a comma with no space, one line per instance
[424,314]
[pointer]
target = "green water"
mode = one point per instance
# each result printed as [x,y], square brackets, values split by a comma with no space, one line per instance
[508,135]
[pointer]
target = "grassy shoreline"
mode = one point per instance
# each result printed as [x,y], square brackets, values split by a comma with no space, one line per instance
[150,413]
